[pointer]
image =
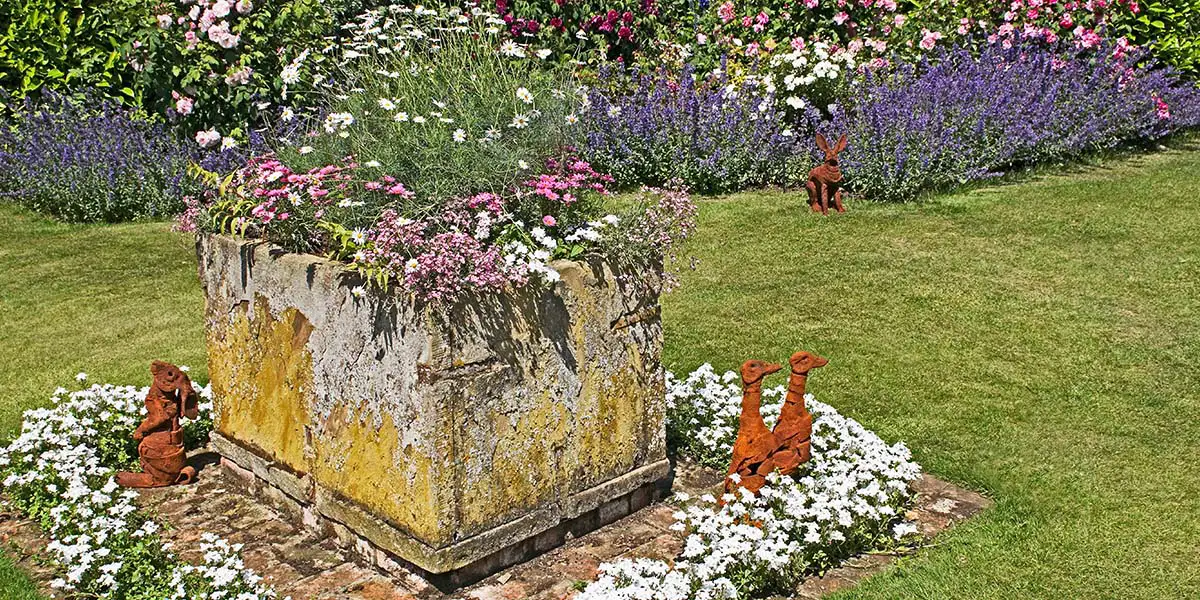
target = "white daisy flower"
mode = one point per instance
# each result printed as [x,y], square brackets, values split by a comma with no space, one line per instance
[510,48]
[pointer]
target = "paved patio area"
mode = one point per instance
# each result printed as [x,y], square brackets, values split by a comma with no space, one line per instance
[304,566]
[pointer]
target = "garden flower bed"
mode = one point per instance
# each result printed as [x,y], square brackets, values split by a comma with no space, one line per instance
[59,472]
[851,498]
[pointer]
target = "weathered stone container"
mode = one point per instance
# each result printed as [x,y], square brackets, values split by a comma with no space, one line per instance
[457,438]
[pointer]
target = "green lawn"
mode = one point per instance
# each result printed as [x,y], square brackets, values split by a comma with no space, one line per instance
[1038,341]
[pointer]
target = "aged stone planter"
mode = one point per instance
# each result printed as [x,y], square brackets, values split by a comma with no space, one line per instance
[458,439]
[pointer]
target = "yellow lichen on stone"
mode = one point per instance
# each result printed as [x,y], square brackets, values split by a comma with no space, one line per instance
[468,428]
[261,373]
[370,466]
[607,445]
[525,465]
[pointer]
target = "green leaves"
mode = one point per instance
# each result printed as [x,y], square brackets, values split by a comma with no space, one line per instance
[1170,28]
[61,44]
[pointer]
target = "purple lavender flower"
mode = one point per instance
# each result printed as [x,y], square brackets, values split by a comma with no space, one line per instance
[655,127]
[956,117]
[96,160]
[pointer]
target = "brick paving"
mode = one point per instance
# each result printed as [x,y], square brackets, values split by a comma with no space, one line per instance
[300,564]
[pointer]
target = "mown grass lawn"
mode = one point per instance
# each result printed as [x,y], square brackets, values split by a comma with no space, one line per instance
[1038,341]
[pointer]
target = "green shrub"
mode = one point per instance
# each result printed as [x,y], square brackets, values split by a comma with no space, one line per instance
[71,44]
[1170,28]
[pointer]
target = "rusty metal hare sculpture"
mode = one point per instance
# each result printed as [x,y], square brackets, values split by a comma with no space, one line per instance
[160,447]
[825,182]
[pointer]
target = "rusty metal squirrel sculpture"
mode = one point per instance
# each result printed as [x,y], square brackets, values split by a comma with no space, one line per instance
[825,181]
[794,429]
[160,448]
[755,443]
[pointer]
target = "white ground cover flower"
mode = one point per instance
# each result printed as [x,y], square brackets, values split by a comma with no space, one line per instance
[849,498]
[59,472]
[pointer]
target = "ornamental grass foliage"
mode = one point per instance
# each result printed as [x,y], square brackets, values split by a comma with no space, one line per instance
[849,498]
[59,473]
[86,161]
[438,99]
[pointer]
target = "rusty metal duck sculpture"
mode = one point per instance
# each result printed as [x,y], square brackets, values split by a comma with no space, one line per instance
[825,181]
[160,437]
[793,431]
[755,443]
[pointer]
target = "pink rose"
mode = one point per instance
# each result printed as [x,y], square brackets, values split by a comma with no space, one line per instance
[930,39]
[725,11]
[207,138]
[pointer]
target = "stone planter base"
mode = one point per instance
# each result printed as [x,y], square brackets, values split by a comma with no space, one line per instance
[382,545]
[459,437]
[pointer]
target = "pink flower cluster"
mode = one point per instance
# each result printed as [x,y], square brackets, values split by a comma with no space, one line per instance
[213,19]
[669,218]
[742,27]
[621,23]
[280,191]
[437,266]
[470,244]
[1048,20]
[564,180]
[1161,107]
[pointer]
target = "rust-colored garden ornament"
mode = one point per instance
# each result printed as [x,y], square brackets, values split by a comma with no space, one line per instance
[755,443]
[825,182]
[160,450]
[794,429]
